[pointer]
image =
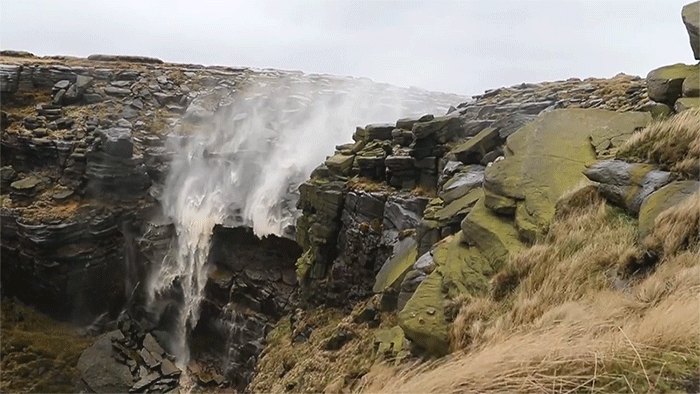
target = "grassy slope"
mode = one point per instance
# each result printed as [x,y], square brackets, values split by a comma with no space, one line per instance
[588,308]
[38,354]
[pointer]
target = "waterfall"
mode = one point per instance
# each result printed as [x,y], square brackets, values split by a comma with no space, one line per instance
[244,163]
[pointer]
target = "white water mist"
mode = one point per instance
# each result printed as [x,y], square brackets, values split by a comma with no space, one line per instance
[244,167]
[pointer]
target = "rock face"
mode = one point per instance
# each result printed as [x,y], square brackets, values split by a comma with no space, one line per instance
[433,212]
[544,162]
[83,173]
[418,211]
[691,19]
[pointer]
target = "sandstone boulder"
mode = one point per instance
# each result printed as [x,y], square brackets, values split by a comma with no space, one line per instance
[662,199]
[665,84]
[684,103]
[493,235]
[691,85]
[691,18]
[393,271]
[423,319]
[627,184]
[547,157]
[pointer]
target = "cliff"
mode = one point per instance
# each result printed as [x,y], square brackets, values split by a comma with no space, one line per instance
[206,228]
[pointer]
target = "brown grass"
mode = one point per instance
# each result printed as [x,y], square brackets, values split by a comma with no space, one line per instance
[358,183]
[673,143]
[676,230]
[557,320]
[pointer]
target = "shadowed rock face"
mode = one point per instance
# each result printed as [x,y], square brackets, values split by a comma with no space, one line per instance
[91,148]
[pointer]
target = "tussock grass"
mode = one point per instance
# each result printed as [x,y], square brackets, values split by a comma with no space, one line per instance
[676,230]
[561,319]
[672,143]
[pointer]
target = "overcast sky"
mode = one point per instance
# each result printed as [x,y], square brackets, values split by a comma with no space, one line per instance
[459,47]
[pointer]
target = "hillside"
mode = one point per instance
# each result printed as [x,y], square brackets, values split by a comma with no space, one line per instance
[218,229]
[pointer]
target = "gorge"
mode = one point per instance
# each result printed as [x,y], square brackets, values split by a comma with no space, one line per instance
[182,228]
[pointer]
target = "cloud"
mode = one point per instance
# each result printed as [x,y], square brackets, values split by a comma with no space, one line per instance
[454,46]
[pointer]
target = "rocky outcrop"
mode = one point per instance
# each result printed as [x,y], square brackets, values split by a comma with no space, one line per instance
[676,86]
[128,360]
[87,145]
[544,162]
[477,210]
[665,84]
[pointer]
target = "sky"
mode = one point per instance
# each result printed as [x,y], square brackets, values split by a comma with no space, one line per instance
[461,47]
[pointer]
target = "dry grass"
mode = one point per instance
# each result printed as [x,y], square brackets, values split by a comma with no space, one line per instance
[676,230]
[358,183]
[557,320]
[673,143]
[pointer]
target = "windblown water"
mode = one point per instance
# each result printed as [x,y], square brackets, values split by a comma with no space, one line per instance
[241,166]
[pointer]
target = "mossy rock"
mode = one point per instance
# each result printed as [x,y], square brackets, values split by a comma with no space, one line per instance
[547,157]
[662,199]
[392,272]
[474,149]
[686,103]
[340,163]
[460,206]
[423,319]
[464,269]
[665,84]
[495,236]
[691,85]
[500,204]
[389,341]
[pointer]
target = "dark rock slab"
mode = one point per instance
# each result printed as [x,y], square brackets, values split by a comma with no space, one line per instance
[100,371]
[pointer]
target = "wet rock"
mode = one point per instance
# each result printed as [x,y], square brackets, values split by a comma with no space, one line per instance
[469,178]
[100,371]
[395,268]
